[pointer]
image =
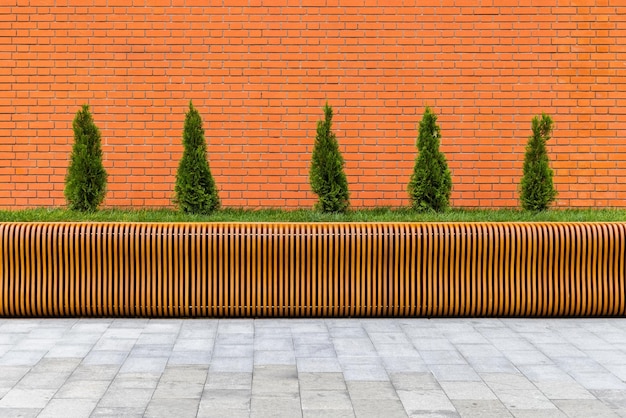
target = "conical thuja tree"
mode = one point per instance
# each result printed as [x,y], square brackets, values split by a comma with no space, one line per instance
[326,175]
[537,189]
[431,182]
[195,188]
[86,179]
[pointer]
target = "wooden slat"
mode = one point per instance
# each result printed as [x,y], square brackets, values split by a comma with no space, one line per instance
[381,269]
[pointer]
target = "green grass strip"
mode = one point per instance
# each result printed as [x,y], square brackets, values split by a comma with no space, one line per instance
[275,215]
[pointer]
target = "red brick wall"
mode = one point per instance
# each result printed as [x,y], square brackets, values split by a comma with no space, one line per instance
[260,72]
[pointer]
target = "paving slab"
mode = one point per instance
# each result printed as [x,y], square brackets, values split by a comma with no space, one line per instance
[313,367]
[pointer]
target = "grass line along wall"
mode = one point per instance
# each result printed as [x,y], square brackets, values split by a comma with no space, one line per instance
[260,72]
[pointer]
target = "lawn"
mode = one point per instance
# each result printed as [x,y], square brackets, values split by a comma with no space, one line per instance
[307,215]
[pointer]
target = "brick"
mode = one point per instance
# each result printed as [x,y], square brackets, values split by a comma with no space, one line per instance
[261,74]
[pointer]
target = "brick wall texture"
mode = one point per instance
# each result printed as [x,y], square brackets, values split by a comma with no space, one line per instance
[260,71]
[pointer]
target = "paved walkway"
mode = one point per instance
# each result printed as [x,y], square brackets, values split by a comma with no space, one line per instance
[313,368]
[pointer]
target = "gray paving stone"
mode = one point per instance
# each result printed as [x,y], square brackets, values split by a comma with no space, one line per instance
[274,357]
[125,333]
[579,365]
[599,381]
[441,357]
[196,344]
[376,408]
[616,399]
[45,380]
[481,408]
[397,349]
[19,412]
[273,343]
[354,347]
[22,358]
[231,364]
[225,399]
[83,389]
[538,413]
[135,381]
[233,350]
[114,344]
[322,350]
[414,381]
[365,372]
[512,343]
[425,401]
[544,373]
[190,357]
[151,351]
[116,412]
[221,413]
[325,399]
[507,381]
[235,326]
[273,406]
[314,338]
[404,364]
[523,357]
[371,390]
[12,374]
[11,339]
[478,350]
[492,365]
[191,374]
[35,344]
[178,390]
[391,337]
[126,398]
[69,351]
[563,390]
[94,372]
[162,326]
[468,391]
[235,339]
[103,358]
[240,381]
[318,365]
[157,339]
[328,413]
[271,330]
[524,399]
[282,380]
[432,344]
[585,408]
[547,367]
[68,408]
[168,408]
[62,365]
[454,372]
[321,381]
[144,365]
[26,398]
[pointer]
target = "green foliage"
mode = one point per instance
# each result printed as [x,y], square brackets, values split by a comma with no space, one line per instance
[537,190]
[86,179]
[431,182]
[326,175]
[195,189]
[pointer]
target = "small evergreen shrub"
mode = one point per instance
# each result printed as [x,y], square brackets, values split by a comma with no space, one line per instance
[537,189]
[86,179]
[326,175]
[431,182]
[195,188]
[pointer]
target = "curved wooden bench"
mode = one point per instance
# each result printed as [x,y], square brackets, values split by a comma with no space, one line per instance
[295,269]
